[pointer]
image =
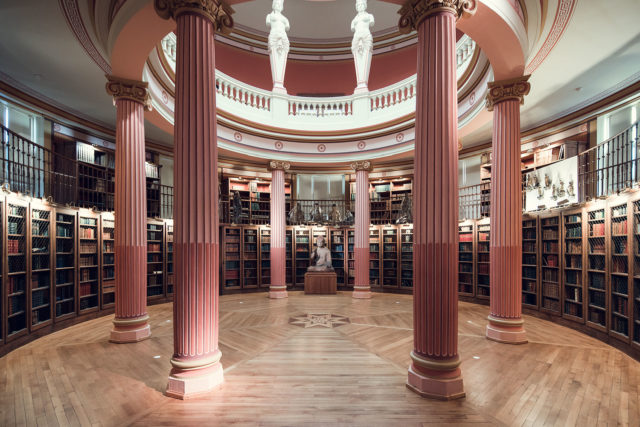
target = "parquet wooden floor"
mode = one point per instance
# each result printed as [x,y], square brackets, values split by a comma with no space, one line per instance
[277,373]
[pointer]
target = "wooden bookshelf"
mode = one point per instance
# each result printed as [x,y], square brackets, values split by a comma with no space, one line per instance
[231,255]
[573,273]
[374,256]
[65,263]
[530,273]
[16,288]
[88,263]
[483,279]
[406,256]
[635,341]
[265,256]
[302,253]
[619,277]
[2,271]
[550,295]
[385,198]
[289,273]
[597,266]
[250,257]
[169,257]
[40,248]
[351,267]
[338,253]
[108,260]
[255,196]
[465,258]
[155,263]
[389,256]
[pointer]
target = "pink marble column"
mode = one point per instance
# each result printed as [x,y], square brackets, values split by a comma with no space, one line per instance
[505,321]
[131,323]
[362,287]
[435,368]
[278,287]
[196,358]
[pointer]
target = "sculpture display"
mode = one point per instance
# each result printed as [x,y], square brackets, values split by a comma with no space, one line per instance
[320,257]
[296,215]
[335,216]
[316,213]
[237,207]
[348,217]
[362,45]
[278,44]
[406,211]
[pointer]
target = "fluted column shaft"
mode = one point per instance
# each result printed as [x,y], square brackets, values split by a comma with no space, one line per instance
[505,321]
[131,320]
[434,371]
[362,287]
[196,366]
[278,287]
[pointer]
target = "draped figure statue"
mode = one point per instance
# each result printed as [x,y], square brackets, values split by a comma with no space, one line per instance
[278,44]
[362,45]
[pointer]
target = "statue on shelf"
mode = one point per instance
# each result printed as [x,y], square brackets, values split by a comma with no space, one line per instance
[547,181]
[570,189]
[320,257]
[554,192]
[406,211]
[335,216]
[348,217]
[316,213]
[362,44]
[540,193]
[296,216]
[561,190]
[237,207]
[278,44]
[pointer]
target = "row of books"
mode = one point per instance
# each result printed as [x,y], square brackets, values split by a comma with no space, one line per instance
[154,247]
[88,247]
[549,234]
[597,229]
[88,274]
[87,233]
[64,231]
[14,246]
[551,290]
[15,284]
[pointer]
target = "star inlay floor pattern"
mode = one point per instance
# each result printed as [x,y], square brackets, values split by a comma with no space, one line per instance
[311,320]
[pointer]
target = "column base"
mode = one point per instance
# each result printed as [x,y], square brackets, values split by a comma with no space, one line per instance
[277,292]
[130,330]
[278,88]
[361,292]
[435,379]
[193,382]
[506,331]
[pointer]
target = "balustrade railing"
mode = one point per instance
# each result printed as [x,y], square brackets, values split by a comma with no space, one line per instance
[395,94]
[310,107]
[473,201]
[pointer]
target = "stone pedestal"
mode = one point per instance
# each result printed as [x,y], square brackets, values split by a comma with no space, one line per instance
[320,282]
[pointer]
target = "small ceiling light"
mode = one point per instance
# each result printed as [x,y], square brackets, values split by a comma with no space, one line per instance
[476,357]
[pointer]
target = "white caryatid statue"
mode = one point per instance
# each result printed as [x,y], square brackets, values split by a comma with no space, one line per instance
[362,45]
[278,45]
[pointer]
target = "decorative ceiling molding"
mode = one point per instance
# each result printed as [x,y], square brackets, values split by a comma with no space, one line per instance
[562,18]
[74,20]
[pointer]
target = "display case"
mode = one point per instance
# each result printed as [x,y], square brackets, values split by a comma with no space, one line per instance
[250,257]
[88,263]
[530,261]
[572,266]
[406,256]
[169,257]
[389,256]
[302,252]
[483,278]
[65,264]
[155,263]
[374,256]
[231,258]
[41,290]
[338,258]
[108,261]
[596,264]
[550,264]
[619,271]
[16,291]
[465,259]
[265,256]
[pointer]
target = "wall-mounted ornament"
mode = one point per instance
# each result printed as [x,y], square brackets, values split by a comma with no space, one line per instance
[279,145]
[237,136]
[400,137]
[322,148]
[361,145]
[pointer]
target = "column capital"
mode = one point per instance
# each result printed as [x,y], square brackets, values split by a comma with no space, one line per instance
[504,90]
[364,165]
[413,12]
[278,165]
[217,11]
[132,90]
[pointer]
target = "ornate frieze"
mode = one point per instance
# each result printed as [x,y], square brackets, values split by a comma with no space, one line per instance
[503,90]
[215,10]
[279,165]
[415,11]
[364,165]
[133,90]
